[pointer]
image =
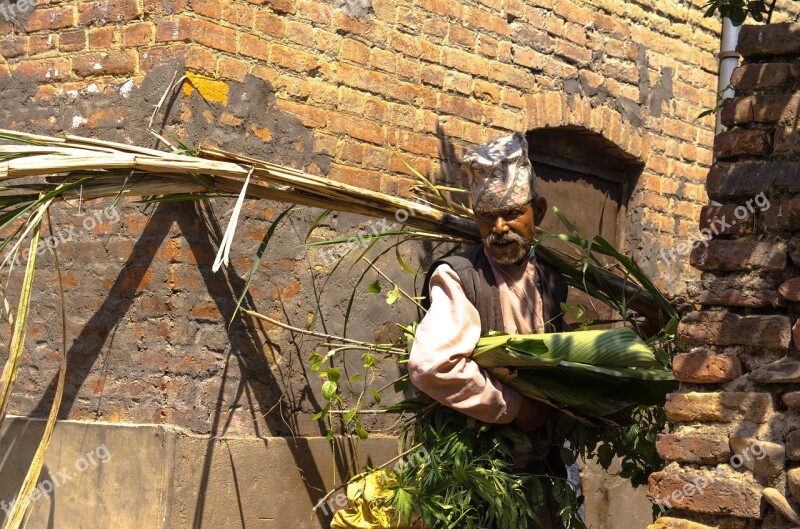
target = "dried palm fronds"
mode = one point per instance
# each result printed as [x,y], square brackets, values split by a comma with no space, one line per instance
[76,167]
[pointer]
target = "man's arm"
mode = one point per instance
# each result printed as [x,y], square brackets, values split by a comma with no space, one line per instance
[440,363]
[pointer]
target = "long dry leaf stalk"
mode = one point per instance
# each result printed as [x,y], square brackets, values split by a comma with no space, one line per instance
[109,169]
[16,516]
[9,375]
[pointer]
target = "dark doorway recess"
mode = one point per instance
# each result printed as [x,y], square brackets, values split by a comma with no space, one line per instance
[590,179]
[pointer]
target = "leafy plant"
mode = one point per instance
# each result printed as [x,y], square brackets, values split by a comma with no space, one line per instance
[738,10]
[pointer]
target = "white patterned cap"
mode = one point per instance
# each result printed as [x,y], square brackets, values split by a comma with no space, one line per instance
[500,174]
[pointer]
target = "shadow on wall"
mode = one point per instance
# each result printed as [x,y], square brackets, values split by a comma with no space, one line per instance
[242,117]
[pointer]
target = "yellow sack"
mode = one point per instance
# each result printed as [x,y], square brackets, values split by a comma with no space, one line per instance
[364,510]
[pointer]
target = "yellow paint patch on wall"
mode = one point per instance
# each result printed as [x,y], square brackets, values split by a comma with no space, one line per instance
[210,89]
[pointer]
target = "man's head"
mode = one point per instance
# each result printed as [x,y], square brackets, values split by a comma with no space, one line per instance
[505,199]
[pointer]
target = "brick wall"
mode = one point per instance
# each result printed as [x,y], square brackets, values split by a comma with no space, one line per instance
[331,88]
[733,449]
[428,78]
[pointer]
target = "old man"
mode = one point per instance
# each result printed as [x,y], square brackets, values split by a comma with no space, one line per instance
[497,286]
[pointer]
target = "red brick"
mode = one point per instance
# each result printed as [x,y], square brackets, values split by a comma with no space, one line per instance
[355,176]
[723,328]
[270,24]
[783,216]
[787,140]
[530,58]
[488,46]
[451,8]
[704,449]
[459,106]
[117,63]
[107,11]
[375,108]
[137,35]
[433,75]
[174,29]
[233,69]
[196,59]
[101,37]
[74,40]
[488,21]
[252,46]
[705,368]
[373,30]
[159,7]
[205,310]
[238,14]
[775,39]
[13,46]
[723,491]
[210,8]
[384,10]
[774,108]
[325,41]
[56,18]
[41,43]
[737,111]
[746,179]
[213,35]
[506,74]
[719,407]
[790,289]
[296,60]
[407,44]
[716,219]
[321,12]
[44,70]
[310,116]
[281,6]
[723,255]
[301,33]
[732,143]
[419,143]
[532,37]
[459,35]
[356,127]
[110,118]
[759,76]
[355,51]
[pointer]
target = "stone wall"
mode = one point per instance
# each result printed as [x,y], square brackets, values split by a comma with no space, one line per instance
[735,443]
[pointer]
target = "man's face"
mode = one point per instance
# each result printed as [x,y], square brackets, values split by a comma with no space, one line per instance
[507,235]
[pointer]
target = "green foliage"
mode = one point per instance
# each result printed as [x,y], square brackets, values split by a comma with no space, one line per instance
[739,10]
[465,479]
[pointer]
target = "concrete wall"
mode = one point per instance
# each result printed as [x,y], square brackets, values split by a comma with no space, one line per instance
[101,475]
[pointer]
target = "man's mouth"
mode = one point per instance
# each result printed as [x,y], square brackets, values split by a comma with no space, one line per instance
[503,244]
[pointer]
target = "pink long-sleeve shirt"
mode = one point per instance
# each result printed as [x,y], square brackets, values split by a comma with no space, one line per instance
[440,364]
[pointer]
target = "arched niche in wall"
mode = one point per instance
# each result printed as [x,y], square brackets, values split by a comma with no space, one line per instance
[587,177]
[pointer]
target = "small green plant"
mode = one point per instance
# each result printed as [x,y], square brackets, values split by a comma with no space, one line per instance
[738,10]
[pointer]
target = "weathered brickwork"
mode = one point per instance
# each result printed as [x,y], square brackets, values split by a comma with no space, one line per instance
[738,437]
[335,88]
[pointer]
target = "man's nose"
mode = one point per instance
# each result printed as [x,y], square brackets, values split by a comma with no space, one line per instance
[500,225]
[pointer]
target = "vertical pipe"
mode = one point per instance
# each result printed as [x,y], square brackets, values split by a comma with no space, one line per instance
[728,61]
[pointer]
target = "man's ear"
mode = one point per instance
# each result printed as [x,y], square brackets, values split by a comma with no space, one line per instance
[539,209]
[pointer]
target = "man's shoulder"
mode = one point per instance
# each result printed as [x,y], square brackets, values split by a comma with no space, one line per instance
[471,257]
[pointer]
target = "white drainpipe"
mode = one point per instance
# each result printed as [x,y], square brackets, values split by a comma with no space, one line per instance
[728,61]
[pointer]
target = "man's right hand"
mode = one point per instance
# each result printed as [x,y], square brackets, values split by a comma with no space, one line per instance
[532,415]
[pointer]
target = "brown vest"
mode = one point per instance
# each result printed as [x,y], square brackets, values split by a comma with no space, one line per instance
[481,289]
